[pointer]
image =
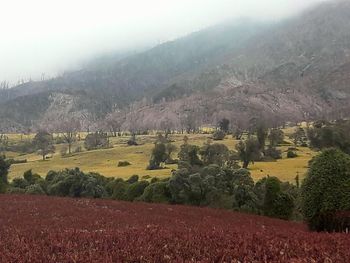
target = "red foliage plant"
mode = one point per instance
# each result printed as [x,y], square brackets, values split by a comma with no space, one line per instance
[52,229]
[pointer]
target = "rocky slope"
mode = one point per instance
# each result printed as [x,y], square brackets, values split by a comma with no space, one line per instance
[296,69]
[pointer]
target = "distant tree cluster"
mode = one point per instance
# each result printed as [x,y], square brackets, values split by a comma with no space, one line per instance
[325,134]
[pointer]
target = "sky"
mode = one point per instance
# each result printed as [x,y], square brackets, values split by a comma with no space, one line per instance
[51,36]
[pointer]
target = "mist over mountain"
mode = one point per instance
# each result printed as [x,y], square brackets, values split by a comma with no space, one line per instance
[291,70]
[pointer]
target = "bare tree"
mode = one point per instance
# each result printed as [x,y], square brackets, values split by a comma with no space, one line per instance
[69,127]
[113,122]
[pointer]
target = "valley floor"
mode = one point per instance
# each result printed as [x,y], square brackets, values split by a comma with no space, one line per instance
[52,229]
[105,161]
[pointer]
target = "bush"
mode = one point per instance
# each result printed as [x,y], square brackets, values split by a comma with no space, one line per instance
[218,135]
[123,163]
[13,161]
[133,179]
[75,183]
[291,154]
[19,183]
[156,193]
[135,190]
[15,190]
[275,201]
[273,153]
[34,189]
[30,177]
[326,191]
[119,190]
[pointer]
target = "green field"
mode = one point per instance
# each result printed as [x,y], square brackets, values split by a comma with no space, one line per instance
[105,161]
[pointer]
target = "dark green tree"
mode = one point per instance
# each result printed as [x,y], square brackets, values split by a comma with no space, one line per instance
[224,125]
[214,154]
[43,143]
[4,169]
[326,191]
[248,151]
[276,137]
[261,134]
[159,156]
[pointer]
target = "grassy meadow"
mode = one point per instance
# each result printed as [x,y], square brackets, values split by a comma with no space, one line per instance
[105,161]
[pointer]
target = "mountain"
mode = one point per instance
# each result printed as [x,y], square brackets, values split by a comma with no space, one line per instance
[292,70]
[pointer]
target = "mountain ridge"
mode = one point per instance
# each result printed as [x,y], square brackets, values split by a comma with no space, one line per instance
[294,70]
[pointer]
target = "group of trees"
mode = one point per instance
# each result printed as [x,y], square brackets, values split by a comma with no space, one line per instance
[202,183]
[254,148]
[326,134]
[161,153]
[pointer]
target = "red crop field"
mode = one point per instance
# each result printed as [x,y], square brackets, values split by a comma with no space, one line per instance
[50,229]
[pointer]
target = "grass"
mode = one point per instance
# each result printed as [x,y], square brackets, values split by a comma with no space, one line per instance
[105,161]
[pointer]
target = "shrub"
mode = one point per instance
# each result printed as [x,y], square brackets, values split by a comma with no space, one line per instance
[132,141]
[218,135]
[30,177]
[34,189]
[275,201]
[326,191]
[119,190]
[133,179]
[123,163]
[75,183]
[273,153]
[15,190]
[13,161]
[135,190]
[291,154]
[156,193]
[19,183]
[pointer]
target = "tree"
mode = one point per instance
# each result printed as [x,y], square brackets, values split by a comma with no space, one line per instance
[276,136]
[299,137]
[261,134]
[224,125]
[170,149]
[275,198]
[43,143]
[113,121]
[4,169]
[325,135]
[214,154]
[326,191]
[189,154]
[70,128]
[159,155]
[248,151]
[96,140]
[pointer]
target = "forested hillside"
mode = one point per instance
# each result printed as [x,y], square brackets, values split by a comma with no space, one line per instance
[292,70]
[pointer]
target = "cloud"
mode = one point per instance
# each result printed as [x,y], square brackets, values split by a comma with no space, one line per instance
[41,36]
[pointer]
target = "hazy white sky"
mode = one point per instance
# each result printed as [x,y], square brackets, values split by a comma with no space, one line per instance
[49,36]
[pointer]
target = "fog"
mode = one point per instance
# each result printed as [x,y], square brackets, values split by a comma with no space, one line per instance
[40,36]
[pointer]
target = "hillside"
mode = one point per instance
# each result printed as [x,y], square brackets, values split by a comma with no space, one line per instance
[292,70]
[47,229]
